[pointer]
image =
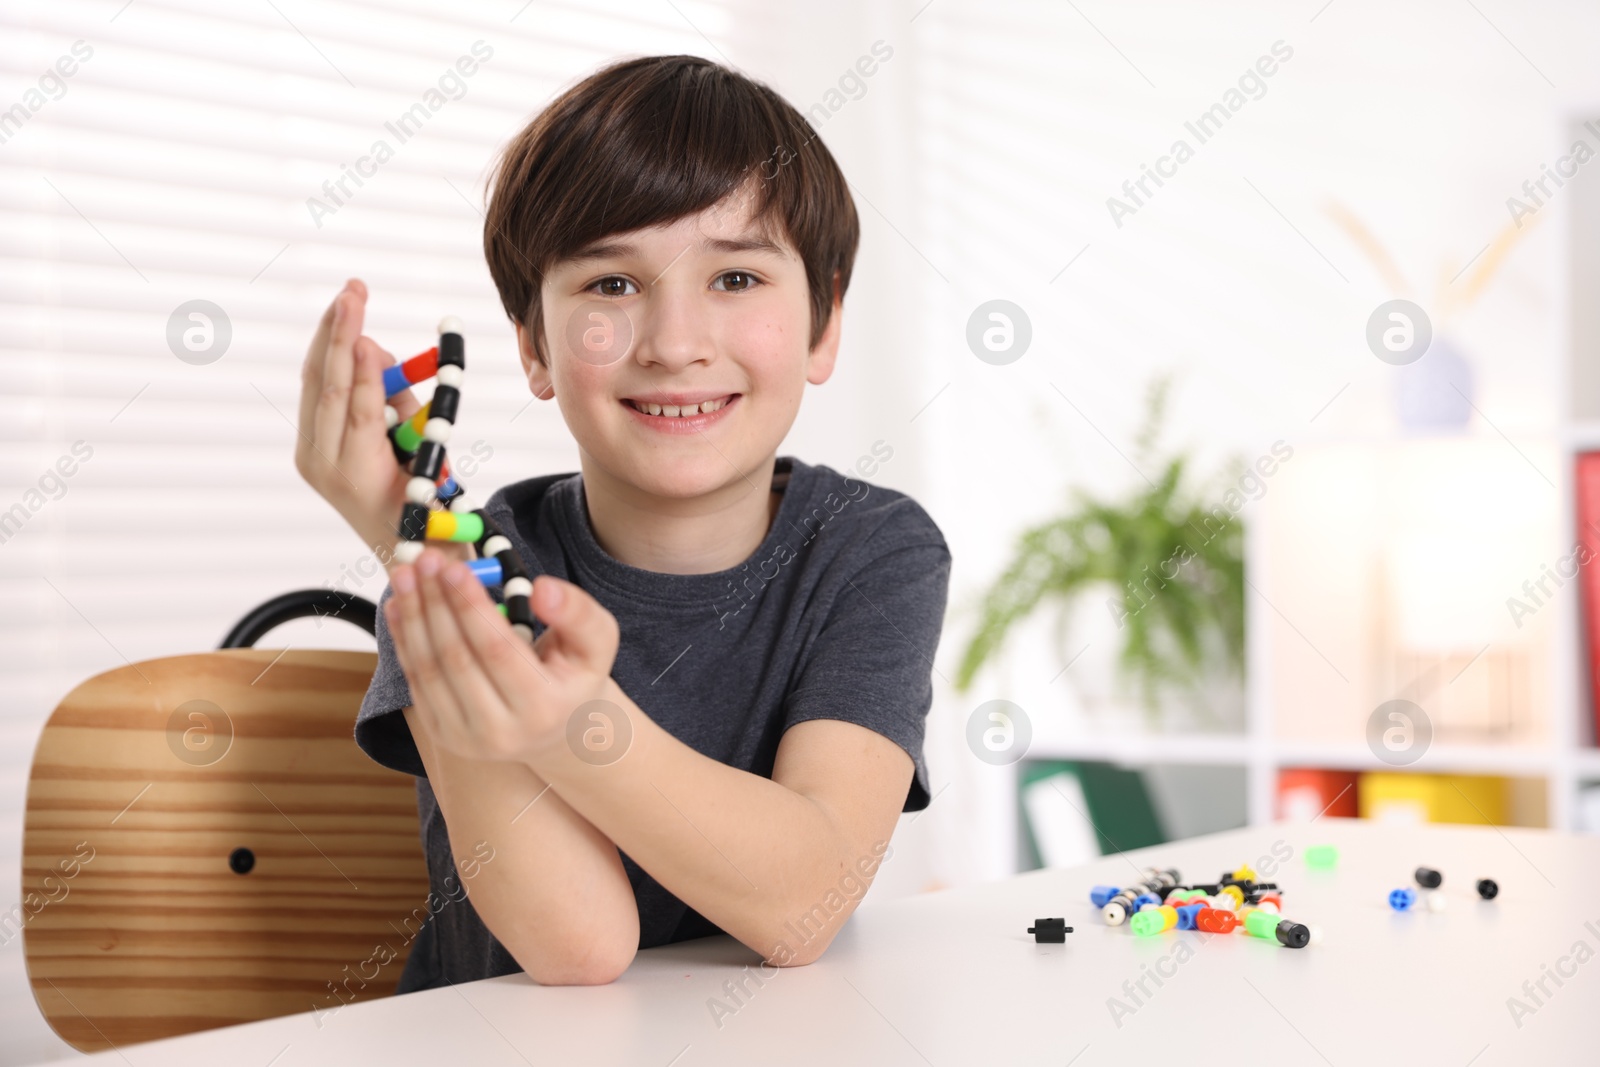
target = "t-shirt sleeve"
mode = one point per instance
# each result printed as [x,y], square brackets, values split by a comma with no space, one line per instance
[381,729]
[872,662]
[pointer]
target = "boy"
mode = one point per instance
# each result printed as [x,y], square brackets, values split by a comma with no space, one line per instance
[722,714]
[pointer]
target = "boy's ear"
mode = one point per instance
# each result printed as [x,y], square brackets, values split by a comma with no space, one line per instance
[819,367]
[537,373]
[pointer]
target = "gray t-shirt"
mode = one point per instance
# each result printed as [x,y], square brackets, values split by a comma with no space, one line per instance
[836,615]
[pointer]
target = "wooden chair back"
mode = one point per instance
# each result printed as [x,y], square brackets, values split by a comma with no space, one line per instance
[204,844]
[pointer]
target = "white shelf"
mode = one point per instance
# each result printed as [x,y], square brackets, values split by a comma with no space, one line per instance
[1439,759]
[1477,430]
[1582,436]
[1145,748]
[1238,749]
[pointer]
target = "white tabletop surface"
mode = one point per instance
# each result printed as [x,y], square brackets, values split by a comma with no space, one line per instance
[954,978]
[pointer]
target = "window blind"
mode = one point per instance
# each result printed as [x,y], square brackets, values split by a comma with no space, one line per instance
[157,154]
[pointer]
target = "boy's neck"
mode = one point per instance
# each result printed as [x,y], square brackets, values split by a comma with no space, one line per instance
[702,535]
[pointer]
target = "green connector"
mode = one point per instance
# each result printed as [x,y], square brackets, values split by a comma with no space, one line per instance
[1322,857]
[469,528]
[407,438]
[1148,922]
[1260,923]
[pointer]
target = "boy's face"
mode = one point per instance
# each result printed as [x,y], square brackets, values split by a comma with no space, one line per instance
[701,310]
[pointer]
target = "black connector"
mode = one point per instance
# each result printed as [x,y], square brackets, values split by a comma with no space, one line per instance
[1293,934]
[1050,931]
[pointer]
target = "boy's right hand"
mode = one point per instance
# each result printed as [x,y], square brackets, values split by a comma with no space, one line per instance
[343,446]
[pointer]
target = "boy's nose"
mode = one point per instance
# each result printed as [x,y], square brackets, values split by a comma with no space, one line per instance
[673,332]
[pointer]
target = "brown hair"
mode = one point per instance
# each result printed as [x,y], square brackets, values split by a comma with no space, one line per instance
[647,141]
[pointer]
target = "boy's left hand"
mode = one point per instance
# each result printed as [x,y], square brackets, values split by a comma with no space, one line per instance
[483,691]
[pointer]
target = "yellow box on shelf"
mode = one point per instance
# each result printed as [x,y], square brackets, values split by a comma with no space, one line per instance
[1458,798]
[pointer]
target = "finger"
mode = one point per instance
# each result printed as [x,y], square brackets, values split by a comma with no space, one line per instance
[311,370]
[311,384]
[370,352]
[423,673]
[316,355]
[505,657]
[483,711]
[402,653]
[366,395]
[585,632]
[338,372]
[547,645]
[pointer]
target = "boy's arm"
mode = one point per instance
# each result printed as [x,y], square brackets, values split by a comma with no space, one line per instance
[556,895]
[778,863]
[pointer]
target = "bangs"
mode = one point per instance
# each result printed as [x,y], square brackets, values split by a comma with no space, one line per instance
[654,155]
[645,142]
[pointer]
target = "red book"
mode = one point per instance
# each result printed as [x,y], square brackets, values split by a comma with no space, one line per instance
[1586,489]
[1305,793]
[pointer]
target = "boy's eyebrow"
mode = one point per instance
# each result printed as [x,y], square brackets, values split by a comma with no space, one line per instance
[610,249]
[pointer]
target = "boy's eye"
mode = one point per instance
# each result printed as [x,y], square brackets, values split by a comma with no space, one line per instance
[615,285]
[745,281]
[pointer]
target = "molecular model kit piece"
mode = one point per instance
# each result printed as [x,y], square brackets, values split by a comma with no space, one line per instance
[1050,931]
[1121,903]
[420,442]
[1158,902]
[1430,880]
[1322,857]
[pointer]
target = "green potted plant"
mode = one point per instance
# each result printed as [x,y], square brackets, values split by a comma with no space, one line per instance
[1171,570]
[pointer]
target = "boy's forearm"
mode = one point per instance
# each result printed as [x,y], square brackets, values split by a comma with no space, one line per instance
[556,894]
[748,853]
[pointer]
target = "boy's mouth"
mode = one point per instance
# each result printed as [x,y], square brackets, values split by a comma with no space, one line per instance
[680,406]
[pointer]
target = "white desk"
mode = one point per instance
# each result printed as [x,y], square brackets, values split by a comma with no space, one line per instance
[953,978]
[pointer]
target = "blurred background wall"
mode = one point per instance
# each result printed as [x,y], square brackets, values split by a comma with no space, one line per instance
[157,154]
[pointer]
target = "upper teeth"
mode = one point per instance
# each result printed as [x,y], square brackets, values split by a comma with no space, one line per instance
[702,408]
